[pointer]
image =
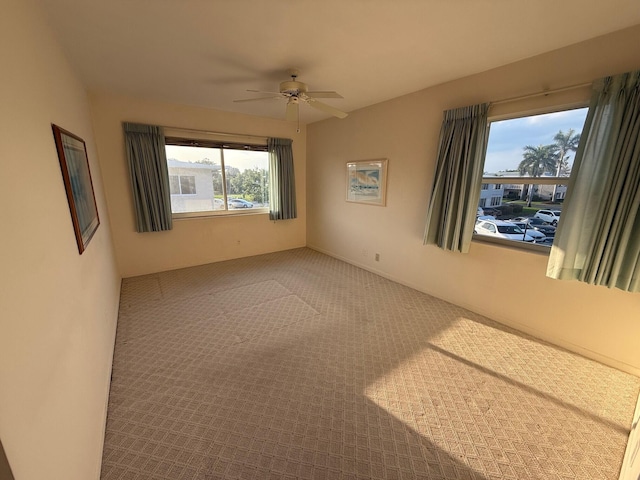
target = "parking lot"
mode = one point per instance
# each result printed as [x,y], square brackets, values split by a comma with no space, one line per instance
[537,227]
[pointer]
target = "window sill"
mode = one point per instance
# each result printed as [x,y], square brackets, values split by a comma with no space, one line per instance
[221,213]
[521,246]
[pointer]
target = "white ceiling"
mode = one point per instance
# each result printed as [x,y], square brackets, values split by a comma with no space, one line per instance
[209,52]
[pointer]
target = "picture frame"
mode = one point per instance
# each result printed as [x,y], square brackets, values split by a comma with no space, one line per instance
[367,181]
[74,164]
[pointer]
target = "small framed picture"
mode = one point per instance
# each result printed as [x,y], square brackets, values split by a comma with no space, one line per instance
[72,153]
[367,182]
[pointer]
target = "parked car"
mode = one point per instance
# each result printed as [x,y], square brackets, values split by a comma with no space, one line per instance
[538,224]
[239,203]
[549,216]
[538,237]
[218,204]
[500,229]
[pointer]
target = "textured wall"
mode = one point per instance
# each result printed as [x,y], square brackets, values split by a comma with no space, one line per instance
[58,309]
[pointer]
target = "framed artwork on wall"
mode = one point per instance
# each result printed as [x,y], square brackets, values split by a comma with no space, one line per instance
[367,182]
[72,153]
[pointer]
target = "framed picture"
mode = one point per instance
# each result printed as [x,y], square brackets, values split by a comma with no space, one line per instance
[367,181]
[72,153]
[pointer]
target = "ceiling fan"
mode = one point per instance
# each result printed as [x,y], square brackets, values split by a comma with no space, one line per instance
[296,92]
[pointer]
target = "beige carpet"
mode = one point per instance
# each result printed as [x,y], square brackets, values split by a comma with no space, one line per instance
[295,365]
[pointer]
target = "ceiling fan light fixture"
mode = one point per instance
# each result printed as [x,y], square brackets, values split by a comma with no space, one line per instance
[295,92]
[293,87]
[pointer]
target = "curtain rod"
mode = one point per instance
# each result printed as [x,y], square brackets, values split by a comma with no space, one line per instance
[237,135]
[540,94]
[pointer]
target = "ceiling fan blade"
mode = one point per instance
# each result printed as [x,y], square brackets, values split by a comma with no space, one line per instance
[326,108]
[292,111]
[324,95]
[262,91]
[256,99]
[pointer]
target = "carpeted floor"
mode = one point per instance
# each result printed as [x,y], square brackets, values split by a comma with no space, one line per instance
[295,365]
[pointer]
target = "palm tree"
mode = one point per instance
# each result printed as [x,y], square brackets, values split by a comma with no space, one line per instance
[535,162]
[564,143]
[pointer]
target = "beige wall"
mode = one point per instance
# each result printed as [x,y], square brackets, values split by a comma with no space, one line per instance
[58,309]
[194,241]
[505,284]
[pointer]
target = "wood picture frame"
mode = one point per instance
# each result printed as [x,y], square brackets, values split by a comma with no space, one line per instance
[367,181]
[74,163]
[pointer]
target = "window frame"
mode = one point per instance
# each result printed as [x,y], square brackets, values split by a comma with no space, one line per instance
[177,139]
[513,114]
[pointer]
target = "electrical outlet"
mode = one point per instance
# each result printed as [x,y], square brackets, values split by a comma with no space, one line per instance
[377,257]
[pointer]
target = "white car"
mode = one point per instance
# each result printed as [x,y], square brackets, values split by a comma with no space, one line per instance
[549,216]
[500,229]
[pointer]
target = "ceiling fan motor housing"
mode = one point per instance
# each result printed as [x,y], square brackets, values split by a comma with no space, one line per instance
[293,87]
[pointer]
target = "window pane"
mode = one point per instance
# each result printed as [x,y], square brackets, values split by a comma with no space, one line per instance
[188,184]
[247,174]
[537,222]
[517,146]
[174,184]
[194,169]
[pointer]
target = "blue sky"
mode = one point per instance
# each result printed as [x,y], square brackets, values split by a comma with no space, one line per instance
[508,137]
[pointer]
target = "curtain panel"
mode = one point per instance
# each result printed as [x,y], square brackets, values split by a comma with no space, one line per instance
[149,177]
[282,185]
[598,239]
[456,187]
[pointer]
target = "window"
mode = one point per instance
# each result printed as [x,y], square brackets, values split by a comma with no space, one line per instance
[208,177]
[529,162]
[182,184]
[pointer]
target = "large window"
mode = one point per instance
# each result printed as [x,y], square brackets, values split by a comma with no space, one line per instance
[210,177]
[526,171]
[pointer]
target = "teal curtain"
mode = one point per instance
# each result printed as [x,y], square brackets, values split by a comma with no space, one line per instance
[456,187]
[282,185]
[149,177]
[598,238]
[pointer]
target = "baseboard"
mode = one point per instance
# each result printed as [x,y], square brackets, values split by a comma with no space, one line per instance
[105,409]
[541,335]
[631,464]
